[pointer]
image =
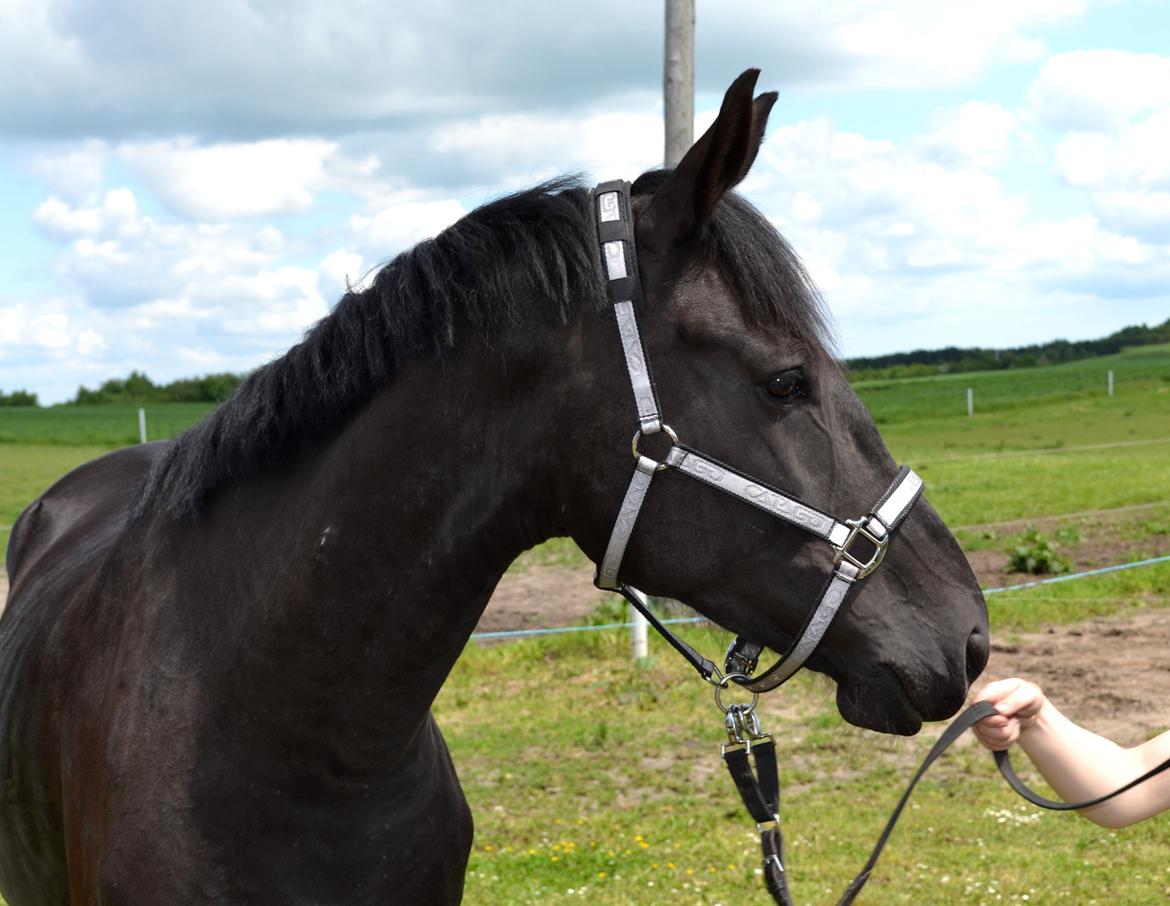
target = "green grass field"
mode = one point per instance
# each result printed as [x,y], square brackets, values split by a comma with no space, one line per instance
[930,398]
[597,780]
[107,426]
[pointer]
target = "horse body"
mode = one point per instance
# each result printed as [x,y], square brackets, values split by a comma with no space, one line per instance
[299,747]
[219,654]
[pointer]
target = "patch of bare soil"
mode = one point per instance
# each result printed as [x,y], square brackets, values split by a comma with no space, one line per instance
[541,596]
[1111,674]
[1104,539]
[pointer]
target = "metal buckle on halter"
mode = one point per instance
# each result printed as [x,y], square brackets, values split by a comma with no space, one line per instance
[664,428]
[771,824]
[740,720]
[861,527]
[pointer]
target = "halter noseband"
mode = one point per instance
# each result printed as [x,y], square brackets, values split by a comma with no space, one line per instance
[615,234]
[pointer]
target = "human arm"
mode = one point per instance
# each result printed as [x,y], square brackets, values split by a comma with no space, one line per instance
[1076,762]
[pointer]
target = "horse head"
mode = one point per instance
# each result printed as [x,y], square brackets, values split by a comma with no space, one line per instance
[734,333]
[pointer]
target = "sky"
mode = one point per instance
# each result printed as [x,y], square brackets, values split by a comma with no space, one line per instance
[185,188]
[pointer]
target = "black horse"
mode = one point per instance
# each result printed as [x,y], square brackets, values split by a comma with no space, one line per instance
[219,654]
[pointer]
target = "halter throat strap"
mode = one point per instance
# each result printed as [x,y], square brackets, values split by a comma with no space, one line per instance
[615,236]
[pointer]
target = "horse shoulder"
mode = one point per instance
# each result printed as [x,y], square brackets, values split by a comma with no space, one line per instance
[88,503]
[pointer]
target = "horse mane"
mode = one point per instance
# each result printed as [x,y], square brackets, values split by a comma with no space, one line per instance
[470,280]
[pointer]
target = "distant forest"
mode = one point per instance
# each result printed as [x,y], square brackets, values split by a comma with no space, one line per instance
[137,388]
[952,359]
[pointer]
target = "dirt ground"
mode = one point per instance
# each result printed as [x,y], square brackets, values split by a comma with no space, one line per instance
[1110,674]
[1113,674]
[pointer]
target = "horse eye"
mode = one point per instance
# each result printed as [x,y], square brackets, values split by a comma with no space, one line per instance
[786,386]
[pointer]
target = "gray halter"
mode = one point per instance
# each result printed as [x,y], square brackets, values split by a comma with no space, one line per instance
[615,233]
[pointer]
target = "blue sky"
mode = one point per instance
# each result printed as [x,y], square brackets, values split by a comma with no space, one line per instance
[187,187]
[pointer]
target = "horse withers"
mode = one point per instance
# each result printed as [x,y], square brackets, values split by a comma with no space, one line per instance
[219,653]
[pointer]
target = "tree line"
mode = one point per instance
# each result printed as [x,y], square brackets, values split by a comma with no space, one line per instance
[137,388]
[955,359]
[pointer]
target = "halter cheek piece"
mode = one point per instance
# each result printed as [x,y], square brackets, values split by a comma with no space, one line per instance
[615,234]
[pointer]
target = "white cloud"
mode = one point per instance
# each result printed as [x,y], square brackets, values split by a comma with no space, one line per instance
[367,128]
[341,269]
[117,214]
[76,172]
[894,237]
[1100,90]
[48,330]
[151,282]
[231,180]
[521,149]
[224,69]
[1134,156]
[886,207]
[399,222]
[1126,170]
[977,132]
[1141,212]
[915,43]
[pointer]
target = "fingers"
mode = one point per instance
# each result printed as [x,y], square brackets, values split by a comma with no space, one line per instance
[998,732]
[1023,701]
[1013,697]
[1018,702]
[998,690]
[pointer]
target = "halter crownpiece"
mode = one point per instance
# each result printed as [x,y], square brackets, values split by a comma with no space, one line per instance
[615,234]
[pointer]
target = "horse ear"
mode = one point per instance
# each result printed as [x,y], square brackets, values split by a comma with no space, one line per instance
[718,161]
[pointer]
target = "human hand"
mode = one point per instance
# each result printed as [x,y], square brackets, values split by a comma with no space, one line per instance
[1018,702]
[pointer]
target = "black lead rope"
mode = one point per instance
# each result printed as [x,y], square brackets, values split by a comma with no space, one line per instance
[760,791]
[1009,774]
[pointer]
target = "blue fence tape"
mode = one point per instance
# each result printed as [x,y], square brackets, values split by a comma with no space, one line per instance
[558,630]
[1089,572]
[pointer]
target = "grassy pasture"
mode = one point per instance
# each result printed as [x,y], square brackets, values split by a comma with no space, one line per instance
[929,398]
[106,426]
[597,780]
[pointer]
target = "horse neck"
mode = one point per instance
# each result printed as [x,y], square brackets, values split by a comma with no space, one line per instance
[367,564]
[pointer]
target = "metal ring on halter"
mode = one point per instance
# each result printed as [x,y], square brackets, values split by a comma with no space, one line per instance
[719,687]
[638,436]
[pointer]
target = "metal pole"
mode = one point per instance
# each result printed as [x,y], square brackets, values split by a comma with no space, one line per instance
[970,402]
[142,425]
[678,95]
[678,82]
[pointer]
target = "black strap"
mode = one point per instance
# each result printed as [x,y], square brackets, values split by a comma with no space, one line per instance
[1004,763]
[958,727]
[706,668]
[760,792]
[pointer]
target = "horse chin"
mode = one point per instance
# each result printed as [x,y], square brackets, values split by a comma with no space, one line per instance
[878,704]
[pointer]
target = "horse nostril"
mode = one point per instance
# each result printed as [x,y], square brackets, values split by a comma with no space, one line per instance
[978,650]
